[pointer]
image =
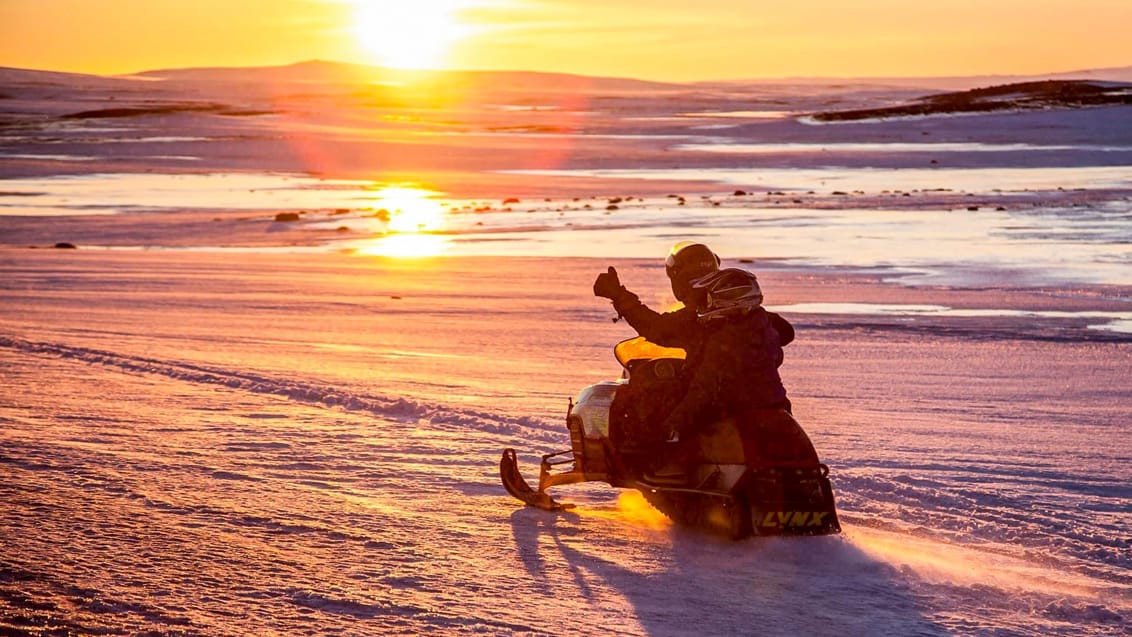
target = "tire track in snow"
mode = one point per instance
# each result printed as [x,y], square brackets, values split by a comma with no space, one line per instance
[520,430]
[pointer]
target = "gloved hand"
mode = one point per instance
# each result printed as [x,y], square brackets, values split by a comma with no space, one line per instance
[607,285]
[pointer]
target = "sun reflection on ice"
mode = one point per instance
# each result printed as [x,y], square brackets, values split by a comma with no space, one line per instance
[415,216]
[406,245]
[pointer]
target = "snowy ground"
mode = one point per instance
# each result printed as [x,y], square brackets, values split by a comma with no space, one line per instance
[307,444]
[216,423]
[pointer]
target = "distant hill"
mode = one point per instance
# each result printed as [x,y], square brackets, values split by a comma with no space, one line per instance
[12,76]
[340,73]
[947,83]
[1017,96]
[343,77]
[1115,74]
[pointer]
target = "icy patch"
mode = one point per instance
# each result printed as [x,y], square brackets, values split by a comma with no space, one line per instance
[1022,241]
[219,191]
[978,180]
[883,309]
[1124,326]
[16,210]
[735,114]
[891,147]
[47,157]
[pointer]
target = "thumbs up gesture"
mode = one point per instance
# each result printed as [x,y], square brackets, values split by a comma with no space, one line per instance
[607,285]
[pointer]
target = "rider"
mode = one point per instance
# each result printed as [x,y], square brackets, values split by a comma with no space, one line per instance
[733,345]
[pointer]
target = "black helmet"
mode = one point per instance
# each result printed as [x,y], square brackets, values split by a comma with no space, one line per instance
[686,262]
[729,291]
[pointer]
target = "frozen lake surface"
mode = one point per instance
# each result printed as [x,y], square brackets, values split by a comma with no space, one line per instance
[948,236]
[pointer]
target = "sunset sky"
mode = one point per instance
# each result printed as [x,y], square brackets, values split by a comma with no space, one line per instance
[651,39]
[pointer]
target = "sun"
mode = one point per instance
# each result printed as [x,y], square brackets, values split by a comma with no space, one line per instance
[409,34]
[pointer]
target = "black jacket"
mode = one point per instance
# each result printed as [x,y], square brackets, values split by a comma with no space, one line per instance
[732,362]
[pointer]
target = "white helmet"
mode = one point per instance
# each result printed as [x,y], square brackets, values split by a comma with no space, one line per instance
[729,291]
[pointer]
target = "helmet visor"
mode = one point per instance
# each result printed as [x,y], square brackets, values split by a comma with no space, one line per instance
[689,261]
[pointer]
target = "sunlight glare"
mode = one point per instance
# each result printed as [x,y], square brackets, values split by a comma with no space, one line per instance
[633,509]
[406,245]
[411,209]
[414,214]
[413,34]
[637,510]
[952,563]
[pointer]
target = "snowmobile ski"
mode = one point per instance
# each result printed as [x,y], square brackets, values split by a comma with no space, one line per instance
[517,486]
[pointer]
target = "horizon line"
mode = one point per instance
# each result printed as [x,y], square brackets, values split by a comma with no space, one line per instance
[425,71]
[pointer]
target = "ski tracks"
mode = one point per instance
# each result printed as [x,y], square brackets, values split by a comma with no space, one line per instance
[511,430]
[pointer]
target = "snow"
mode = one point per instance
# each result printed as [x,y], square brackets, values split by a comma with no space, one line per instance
[215,424]
[272,444]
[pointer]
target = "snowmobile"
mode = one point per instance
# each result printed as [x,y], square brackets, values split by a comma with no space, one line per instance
[754,475]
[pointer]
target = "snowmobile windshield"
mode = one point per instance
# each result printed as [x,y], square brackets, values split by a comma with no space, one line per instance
[641,349]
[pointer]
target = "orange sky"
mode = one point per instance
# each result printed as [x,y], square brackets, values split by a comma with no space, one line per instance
[652,39]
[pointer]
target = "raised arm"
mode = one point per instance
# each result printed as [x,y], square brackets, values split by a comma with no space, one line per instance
[670,329]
